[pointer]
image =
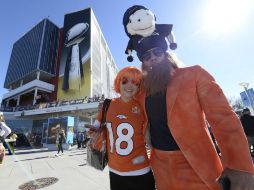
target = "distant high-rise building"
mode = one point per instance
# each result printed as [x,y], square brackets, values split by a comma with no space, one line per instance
[32,64]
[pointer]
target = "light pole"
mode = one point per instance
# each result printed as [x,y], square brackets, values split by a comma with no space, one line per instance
[245,86]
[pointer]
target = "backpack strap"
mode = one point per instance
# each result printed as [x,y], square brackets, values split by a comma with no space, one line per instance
[105,107]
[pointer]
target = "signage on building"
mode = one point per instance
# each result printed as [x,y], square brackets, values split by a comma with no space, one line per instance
[74,74]
[247,98]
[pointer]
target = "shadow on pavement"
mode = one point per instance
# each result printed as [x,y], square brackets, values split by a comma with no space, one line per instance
[32,159]
[19,152]
[83,164]
[78,150]
[83,153]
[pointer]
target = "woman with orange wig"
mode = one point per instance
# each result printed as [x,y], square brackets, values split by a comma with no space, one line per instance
[128,163]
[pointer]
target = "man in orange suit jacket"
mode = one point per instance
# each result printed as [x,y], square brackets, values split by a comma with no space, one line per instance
[178,101]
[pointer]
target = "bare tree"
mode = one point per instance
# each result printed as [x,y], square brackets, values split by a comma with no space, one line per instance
[236,104]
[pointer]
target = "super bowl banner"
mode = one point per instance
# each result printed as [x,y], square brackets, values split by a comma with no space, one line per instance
[74,73]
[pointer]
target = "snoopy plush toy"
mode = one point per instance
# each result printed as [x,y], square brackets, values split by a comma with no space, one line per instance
[139,23]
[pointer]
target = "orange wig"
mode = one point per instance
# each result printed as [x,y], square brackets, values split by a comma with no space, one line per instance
[128,72]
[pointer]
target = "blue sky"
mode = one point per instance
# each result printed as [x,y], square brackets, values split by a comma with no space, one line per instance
[218,37]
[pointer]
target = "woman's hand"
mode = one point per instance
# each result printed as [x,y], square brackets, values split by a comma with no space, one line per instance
[91,127]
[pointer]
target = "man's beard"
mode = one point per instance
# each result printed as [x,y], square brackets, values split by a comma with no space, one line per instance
[157,77]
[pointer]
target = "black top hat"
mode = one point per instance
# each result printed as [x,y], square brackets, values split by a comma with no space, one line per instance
[151,42]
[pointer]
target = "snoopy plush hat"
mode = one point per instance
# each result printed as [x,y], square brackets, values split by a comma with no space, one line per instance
[139,24]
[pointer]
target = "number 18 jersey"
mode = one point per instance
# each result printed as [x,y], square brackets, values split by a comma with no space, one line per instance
[125,139]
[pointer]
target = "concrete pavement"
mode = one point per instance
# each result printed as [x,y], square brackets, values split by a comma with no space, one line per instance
[70,169]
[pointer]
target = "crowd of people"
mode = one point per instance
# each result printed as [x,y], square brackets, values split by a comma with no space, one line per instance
[57,103]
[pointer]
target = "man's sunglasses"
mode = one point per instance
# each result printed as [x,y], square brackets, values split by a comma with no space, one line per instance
[125,80]
[156,52]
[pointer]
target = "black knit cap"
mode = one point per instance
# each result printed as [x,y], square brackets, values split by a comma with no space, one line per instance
[151,42]
[128,13]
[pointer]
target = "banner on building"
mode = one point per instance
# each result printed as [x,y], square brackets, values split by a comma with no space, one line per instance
[44,133]
[247,98]
[74,73]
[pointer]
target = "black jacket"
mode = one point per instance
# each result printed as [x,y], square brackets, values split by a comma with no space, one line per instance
[248,125]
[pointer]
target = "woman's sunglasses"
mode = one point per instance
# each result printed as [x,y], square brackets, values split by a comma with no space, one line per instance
[156,52]
[125,80]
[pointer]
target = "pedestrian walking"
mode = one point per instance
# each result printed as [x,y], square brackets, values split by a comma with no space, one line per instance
[85,139]
[59,140]
[4,132]
[80,139]
[10,142]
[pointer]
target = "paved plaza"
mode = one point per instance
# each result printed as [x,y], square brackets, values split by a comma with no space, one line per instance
[70,169]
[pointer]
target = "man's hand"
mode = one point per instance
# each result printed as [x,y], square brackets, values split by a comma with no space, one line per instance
[239,180]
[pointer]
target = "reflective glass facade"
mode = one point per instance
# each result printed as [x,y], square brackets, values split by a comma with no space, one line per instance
[35,51]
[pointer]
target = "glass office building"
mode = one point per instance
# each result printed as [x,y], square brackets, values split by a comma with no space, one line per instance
[35,51]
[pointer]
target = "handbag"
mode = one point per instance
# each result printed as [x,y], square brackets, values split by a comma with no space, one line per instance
[224,183]
[97,145]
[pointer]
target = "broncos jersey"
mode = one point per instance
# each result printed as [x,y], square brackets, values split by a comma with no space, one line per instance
[125,142]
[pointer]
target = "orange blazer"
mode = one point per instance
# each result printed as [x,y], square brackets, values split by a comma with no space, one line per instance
[192,96]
